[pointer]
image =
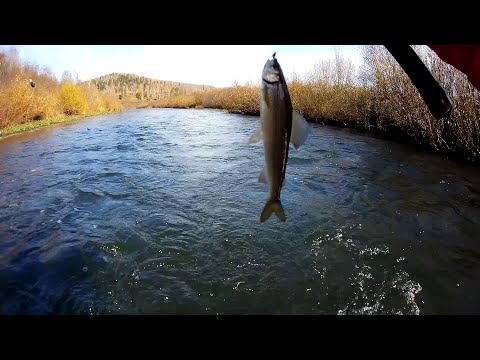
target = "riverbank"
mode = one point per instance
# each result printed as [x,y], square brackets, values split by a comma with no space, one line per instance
[31,97]
[380,98]
[372,124]
[41,123]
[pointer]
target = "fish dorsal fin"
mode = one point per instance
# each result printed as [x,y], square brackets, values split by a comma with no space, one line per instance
[256,137]
[300,130]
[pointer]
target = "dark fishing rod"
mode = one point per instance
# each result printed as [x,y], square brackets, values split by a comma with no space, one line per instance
[431,92]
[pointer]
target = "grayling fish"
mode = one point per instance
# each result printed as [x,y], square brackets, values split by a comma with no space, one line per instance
[280,126]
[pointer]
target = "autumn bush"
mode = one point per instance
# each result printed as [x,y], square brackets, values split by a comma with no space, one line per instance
[95,100]
[111,103]
[21,103]
[72,100]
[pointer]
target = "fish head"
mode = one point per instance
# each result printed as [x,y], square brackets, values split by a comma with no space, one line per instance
[271,71]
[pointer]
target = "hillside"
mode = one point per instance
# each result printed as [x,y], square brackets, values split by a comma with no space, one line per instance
[130,87]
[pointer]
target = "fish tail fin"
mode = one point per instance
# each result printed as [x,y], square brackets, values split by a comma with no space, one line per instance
[273,205]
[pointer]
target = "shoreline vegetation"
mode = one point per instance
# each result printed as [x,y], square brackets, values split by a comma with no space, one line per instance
[27,126]
[25,107]
[378,98]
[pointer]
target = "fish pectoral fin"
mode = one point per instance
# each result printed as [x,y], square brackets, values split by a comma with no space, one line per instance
[263,177]
[300,130]
[256,137]
[273,205]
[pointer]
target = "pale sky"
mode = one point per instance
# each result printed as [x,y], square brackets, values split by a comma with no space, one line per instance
[216,65]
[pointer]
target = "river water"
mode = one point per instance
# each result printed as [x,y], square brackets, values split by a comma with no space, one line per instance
[156,211]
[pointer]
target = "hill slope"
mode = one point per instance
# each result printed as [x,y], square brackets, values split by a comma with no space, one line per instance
[132,87]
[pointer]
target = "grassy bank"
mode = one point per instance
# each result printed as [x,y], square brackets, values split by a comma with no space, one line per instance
[10,130]
[378,97]
[23,107]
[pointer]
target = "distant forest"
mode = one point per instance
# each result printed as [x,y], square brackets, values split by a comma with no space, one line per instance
[132,87]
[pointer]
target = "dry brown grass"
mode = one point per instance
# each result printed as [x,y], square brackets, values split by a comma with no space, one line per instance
[398,107]
[180,101]
[380,98]
[111,103]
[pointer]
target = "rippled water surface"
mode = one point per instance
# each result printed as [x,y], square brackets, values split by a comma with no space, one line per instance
[157,212]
